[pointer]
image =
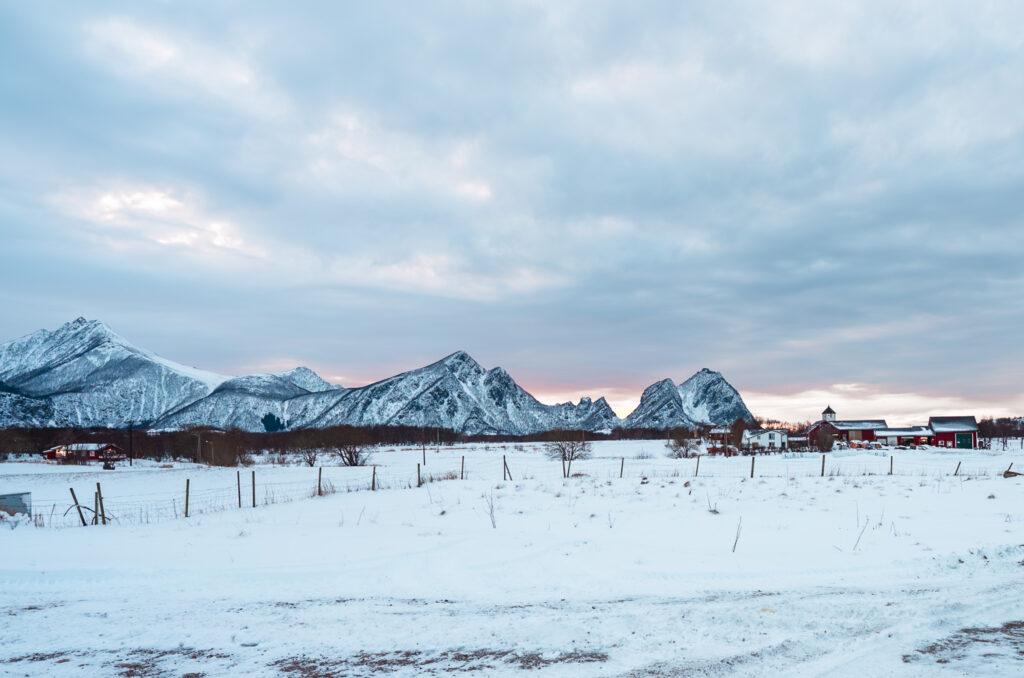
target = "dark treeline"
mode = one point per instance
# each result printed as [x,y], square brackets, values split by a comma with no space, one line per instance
[1001,428]
[218,446]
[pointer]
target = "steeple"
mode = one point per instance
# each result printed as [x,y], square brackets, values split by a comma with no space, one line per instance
[828,414]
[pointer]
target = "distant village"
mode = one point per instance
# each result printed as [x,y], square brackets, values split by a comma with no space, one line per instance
[958,431]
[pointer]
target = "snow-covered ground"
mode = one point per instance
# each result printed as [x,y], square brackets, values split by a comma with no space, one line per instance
[658,573]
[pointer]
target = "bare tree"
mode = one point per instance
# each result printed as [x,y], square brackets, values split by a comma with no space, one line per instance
[736,433]
[823,440]
[309,455]
[353,454]
[567,451]
[683,443]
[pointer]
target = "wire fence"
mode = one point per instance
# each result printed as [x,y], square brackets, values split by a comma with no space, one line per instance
[210,491]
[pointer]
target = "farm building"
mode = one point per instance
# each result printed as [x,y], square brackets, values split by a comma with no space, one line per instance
[766,439]
[85,452]
[961,432]
[910,435]
[847,430]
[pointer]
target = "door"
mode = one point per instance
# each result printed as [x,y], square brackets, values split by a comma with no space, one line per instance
[964,441]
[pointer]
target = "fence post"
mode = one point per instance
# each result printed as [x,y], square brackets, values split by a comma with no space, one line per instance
[254,489]
[320,482]
[373,479]
[186,497]
[622,467]
[238,479]
[752,458]
[507,469]
[504,468]
[823,466]
[957,471]
[95,509]
[424,455]
[697,470]
[462,468]
[77,506]
[890,464]
[419,480]
[103,511]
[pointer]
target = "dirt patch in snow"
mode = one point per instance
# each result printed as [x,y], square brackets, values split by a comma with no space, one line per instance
[450,661]
[989,643]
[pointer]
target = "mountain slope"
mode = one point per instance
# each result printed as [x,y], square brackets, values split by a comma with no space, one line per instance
[457,393]
[243,402]
[706,398]
[90,376]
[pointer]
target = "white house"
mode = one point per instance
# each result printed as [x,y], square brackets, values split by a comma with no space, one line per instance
[766,439]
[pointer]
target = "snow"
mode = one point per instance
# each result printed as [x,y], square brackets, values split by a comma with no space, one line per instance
[854,573]
[209,379]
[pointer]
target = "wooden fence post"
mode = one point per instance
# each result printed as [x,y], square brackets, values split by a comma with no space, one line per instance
[419,480]
[504,468]
[238,479]
[320,482]
[373,479]
[95,508]
[254,489]
[697,470]
[507,470]
[186,497]
[823,466]
[462,468]
[81,516]
[957,471]
[890,464]
[622,467]
[752,458]
[103,511]
[424,455]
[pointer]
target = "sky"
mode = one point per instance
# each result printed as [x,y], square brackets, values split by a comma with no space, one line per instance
[825,203]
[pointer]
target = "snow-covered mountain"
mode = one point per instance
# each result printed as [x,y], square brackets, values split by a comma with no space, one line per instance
[703,399]
[84,374]
[243,402]
[457,393]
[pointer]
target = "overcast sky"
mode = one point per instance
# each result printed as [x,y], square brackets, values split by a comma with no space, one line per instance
[824,202]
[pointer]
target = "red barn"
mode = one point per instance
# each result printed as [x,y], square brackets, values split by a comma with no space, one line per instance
[960,432]
[847,430]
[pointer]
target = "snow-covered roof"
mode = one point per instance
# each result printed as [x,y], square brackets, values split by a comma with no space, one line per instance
[87,447]
[952,424]
[859,425]
[916,431]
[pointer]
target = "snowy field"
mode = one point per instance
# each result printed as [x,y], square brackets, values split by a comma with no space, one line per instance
[656,573]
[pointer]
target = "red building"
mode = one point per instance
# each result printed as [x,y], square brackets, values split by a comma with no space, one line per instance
[85,452]
[847,430]
[960,432]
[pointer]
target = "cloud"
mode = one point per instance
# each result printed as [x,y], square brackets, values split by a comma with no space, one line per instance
[353,153]
[129,215]
[167,63]
[796,195]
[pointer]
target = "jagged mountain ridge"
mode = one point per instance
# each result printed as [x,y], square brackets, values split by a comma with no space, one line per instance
[704,399]
[84,374]
[457,393]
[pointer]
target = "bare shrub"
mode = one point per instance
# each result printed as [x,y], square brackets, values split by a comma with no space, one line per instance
[567,451]
[353,454]
[309,456]
[823,440]
[683,444]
